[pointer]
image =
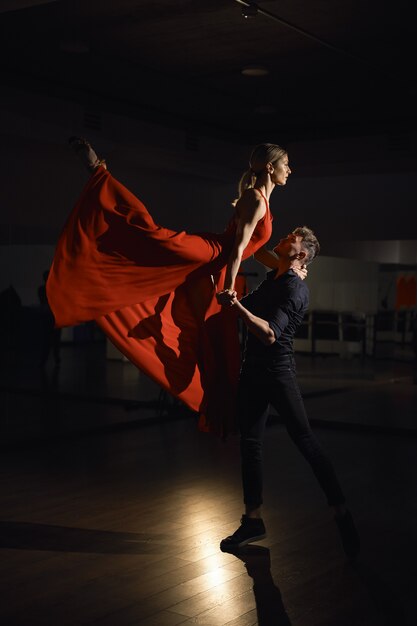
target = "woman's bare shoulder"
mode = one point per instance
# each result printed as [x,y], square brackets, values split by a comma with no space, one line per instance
[252,195]
[251,201]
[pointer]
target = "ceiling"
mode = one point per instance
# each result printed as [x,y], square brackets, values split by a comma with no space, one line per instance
[335,68]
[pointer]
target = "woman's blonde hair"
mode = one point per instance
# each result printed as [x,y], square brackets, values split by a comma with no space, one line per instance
[261,155]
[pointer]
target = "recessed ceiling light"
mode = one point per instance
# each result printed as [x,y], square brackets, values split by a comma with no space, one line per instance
[255,70]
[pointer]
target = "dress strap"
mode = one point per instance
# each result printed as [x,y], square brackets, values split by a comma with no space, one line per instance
[266,201]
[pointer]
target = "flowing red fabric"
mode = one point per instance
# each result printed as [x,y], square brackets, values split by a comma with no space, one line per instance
[152,291]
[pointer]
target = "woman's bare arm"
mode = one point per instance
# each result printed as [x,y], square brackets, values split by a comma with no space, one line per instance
[251,208]
[271,260]
[267,258]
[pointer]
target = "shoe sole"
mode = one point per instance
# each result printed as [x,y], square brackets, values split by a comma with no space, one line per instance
[232,546]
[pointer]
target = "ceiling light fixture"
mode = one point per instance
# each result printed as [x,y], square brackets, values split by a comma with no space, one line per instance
[255,70]
[250,10]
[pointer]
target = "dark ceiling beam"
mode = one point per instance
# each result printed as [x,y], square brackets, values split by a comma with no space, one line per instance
[16,5]
[301,31]
[383,72]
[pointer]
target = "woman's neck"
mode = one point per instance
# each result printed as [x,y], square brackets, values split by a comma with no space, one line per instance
[266,188]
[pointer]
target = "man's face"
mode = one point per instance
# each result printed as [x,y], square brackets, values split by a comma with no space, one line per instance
[289,247]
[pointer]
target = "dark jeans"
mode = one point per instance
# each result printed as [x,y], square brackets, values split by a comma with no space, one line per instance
[261,385]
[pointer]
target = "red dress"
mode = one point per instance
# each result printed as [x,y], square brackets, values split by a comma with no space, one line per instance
[152,291]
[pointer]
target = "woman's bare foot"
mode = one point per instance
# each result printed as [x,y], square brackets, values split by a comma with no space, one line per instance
[84,150]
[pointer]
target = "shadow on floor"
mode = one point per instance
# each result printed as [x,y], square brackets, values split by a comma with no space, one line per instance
[31,536]
[270,609]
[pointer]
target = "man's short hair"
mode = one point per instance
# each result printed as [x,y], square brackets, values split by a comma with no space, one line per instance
[309,243]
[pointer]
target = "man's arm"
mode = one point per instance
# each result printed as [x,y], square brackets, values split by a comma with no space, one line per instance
[256,325]
[267,331]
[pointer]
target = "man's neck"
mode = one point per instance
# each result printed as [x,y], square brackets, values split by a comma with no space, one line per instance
[284,266]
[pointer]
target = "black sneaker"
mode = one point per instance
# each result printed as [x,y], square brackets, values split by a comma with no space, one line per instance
[250,529]
[349,535]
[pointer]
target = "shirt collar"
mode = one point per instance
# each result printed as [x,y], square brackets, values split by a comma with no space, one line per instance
[271,274]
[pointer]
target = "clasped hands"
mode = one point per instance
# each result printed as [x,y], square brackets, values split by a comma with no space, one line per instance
[227,297]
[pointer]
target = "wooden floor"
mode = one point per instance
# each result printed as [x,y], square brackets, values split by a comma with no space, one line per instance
[121,526]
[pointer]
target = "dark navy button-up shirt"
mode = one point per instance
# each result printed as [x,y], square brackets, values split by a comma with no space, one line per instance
[282,302]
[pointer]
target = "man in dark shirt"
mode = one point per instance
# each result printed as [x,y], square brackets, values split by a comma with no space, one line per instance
[272,313]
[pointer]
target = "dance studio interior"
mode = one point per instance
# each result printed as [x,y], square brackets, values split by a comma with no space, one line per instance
[114,500]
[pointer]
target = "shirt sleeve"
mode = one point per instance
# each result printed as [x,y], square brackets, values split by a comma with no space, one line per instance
[279,322]
[279,319]
[248,300]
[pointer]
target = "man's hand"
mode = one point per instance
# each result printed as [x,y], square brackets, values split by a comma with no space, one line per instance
[301,271]
[227,297]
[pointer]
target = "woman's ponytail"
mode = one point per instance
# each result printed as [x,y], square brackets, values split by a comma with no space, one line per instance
[247,181]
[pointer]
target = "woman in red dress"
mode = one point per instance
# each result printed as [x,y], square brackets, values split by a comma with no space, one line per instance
[153,290]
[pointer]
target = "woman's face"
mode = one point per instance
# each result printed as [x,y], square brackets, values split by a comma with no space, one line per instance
[280,171]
